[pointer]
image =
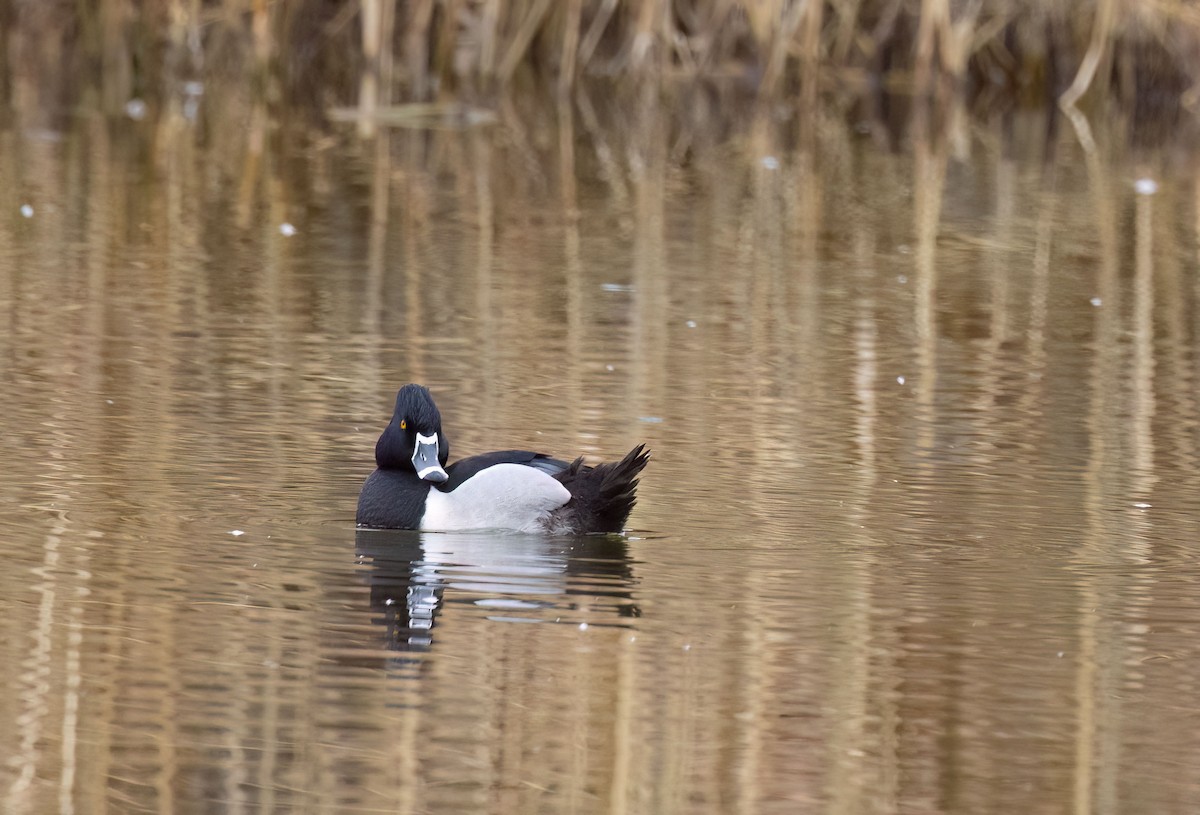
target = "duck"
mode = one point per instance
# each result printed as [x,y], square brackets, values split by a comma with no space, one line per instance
[413,487]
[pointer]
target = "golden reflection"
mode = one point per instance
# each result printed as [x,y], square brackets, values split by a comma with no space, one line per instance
[845,591]
[929,173]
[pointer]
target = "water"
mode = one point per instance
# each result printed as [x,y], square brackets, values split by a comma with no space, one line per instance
[919,534]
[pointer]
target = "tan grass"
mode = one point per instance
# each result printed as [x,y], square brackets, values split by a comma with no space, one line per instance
[476,49]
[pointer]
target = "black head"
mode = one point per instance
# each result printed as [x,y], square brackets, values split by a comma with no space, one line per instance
[413,440]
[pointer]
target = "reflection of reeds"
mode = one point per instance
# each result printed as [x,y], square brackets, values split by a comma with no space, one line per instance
[827,679]
[1030,49]
[222,329]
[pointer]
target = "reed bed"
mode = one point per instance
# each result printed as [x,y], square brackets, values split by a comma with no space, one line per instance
[375,54]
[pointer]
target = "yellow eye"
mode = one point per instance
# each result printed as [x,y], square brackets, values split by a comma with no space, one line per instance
[403,424]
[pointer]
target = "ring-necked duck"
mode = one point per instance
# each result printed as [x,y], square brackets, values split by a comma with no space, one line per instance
[509,489]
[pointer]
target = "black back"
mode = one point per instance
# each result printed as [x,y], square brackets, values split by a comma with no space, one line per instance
[463,469]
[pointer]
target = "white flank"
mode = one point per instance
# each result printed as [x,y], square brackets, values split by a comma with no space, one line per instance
[504,496]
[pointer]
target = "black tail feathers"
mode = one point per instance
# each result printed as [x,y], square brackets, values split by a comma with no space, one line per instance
[602,496]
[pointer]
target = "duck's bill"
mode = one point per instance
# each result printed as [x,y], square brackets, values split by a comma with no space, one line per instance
[425,459]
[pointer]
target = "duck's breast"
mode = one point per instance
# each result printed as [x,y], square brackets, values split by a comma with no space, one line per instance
[503,496]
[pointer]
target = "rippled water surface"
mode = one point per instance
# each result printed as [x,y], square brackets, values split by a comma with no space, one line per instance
[919,534]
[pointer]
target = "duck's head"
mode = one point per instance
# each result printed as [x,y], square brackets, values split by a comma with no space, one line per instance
[413,440]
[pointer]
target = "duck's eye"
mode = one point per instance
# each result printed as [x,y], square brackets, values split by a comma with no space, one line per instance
[404,424]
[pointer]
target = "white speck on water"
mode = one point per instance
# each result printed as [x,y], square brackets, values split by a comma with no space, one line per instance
[389,602]
[691,323]
[583,626]
[901,279]
[1145,186]
[193,88]
[135,109]
[650,419]
[108,401]
[237,533]
[26,211]
[623,287]
[901,380]
[1060,654]
[609,368]
[633,638]
[286,229]
[687,646]
[904,248]
[1141,505]
[769,163]
[191,106]
[1096,301]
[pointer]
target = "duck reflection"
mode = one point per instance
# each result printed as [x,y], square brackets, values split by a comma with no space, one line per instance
[413,575]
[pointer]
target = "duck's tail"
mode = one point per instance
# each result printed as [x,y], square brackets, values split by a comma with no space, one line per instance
[602,496]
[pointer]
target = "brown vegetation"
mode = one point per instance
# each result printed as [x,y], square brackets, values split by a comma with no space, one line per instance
[377,53]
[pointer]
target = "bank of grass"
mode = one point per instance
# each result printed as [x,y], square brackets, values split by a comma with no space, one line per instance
[1141,53]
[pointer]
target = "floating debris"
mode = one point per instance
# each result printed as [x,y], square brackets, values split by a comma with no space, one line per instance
[583,626]
[237,533]
[1142,505]
[623,287]
[1145,186]
[192,92]
[419,115]
[769,163]
[609,368]
[901,279]
[900,380]
[1096,301]
[26,210]
[286,229]
[691,323]
[650,419]
[135,109]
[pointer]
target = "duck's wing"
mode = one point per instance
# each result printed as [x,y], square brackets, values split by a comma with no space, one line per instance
[463,469]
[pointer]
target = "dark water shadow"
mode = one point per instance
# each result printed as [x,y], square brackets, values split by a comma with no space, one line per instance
[416,577]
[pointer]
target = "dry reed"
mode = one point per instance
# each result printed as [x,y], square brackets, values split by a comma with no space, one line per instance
[1142,54]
